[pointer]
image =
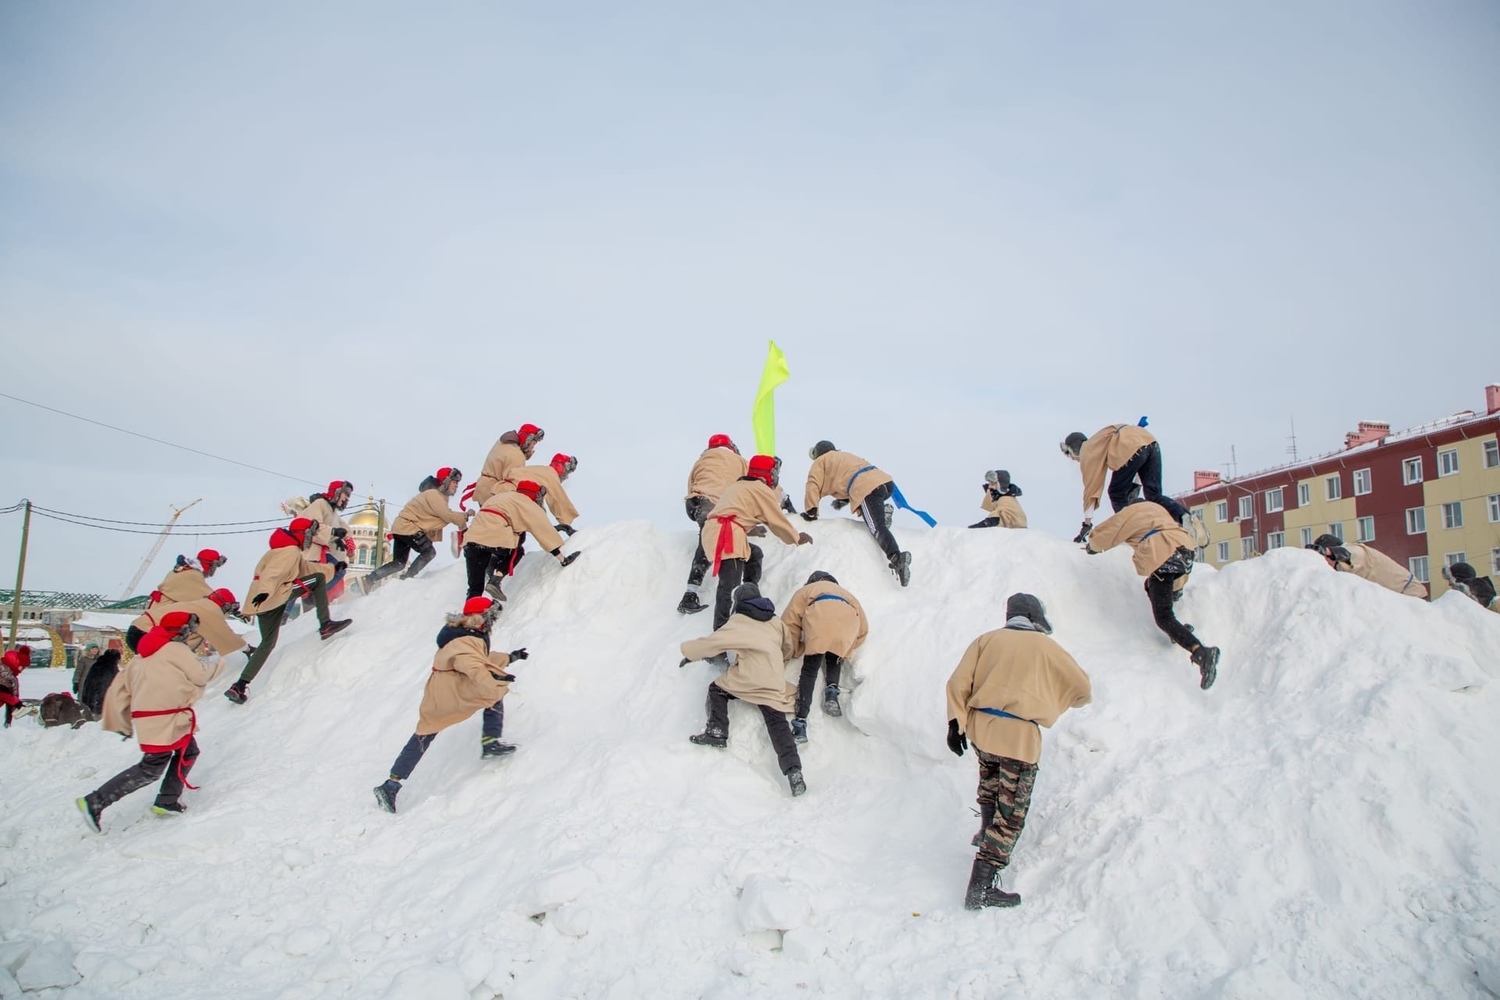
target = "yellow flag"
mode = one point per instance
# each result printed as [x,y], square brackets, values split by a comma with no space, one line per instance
[763,416]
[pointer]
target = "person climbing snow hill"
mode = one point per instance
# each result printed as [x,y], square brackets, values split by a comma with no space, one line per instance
[507,457]
[188,579]
[493,542]
[420,524]
[851,480]
[1001,502]
[1368,564]
[720,464]
[827,625]
[747,503]
[332,543]
[213,623]
[1131,453]
[1479,589]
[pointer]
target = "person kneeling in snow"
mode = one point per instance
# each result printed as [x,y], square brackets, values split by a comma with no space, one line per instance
[152,698]
[466,678]
[1000,502]
[1162,556]
[1462,578]
[762,645]
[827,625]
[1008,684]
[492,545]
[1368,564]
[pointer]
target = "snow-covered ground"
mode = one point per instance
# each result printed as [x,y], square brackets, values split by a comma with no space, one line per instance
[1325,822]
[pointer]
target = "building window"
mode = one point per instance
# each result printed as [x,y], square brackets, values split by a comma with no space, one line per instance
[1448,463]
[1306,537]
[1366,526]
[1336,529]
[1495,560]
[1455,557]
[1333,488]
[1418,567]
[1275,540]
[1361,482]
[1491,454]
[1273,500]
[1304,494]
[1200,555]
[1247,507]
[1411,471]
[1494,504]
[1221,511]
[1223,552]
[1453,514]
[1416,520]
[1247,547]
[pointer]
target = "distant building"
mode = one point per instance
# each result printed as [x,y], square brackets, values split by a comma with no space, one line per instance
[53,622]
[1427,497]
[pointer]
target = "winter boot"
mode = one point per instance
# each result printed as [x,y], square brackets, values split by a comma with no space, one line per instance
[491,746]
[385,794]
[90,812]
[169,808]
[831,701]
[794,779]
[984,887]
[1206,659]
[986,817]
[236,692]
[712,736]
[493,589]
[799,730]
[690,605]
[332,627]
[901,566]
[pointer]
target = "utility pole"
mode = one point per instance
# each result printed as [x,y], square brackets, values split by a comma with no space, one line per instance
[380,535]
[15,604]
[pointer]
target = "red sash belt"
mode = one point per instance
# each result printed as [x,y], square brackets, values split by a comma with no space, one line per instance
[510,569]
[725,545]
[172,747]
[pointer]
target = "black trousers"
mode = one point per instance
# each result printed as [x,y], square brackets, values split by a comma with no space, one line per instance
[777,727]
[1144,465]
[873,511]
[176,764]
[406,761]
[697,511]
[1159,590]
[401,547]
[270,626]
[831,666]
[732,573]
[483,561]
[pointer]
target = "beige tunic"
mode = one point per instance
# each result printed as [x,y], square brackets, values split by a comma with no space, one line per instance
[759,671]
[1024,673]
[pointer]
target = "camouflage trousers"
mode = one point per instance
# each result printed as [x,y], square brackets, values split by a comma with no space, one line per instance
[1005,786]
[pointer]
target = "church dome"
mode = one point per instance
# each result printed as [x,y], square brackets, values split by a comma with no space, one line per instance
[365,518]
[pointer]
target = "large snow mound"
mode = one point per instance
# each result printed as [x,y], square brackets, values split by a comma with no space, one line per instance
[1324,822]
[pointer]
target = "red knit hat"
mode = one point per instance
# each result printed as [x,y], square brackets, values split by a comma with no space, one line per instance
[221,597]
[527,431]
[477,605]
[563,464]
[530,489]
[173,621]
[721,441]
[766,468]
[445,473]
[300,527]
[210,557]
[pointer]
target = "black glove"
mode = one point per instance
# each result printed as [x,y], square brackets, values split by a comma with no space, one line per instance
[786,505]
[519,654]
[565,529]
[839,504]
[1083,532]
[957,742]
[568,559]
[810,515]
[259,600]
[685,662]
[994,493]
[339,566]
[339,533]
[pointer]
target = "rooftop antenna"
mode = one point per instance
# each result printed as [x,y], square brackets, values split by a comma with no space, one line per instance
[1292,445]
[1234,466]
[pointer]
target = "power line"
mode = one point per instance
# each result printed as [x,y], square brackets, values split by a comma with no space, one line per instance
[157,440]
[142,531]
[152,524]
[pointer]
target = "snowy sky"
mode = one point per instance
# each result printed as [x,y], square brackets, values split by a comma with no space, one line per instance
[363,240]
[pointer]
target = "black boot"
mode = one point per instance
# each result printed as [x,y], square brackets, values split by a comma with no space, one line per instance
[713,736]
[236,692]
[491,746]
[385,794]
[986,817]
[493,589]
[690,605]
[1206,659]
[794,779]
[90,812]
[831,701]
[332,627]
[984,888]
[169,808]
[901,566]
[799,730]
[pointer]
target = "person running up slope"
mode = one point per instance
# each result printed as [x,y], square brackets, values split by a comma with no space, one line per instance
[851,480]
[1163,557]
[1001,502]
[827,625]
[507,457]
[494,536]
[720,464]
[762,645]
[188,579]
[281,572]
[1009,684]
[332,542]
[747,503]
[420,524]
[551,477]
[152,699]
[466,678]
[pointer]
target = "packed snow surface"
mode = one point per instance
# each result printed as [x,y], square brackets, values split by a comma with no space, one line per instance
[1325,822]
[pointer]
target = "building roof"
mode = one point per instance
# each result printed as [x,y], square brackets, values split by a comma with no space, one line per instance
[65,600]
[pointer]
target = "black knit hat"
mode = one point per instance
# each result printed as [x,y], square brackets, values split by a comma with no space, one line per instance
[1030,607]
[819,576]
[1073,443]
[820,449]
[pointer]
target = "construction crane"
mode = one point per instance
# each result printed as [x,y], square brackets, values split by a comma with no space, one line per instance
[155,549]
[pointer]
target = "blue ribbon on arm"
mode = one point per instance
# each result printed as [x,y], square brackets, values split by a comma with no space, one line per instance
[901,502]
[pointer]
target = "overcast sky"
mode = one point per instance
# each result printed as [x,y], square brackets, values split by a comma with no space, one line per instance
[362,240]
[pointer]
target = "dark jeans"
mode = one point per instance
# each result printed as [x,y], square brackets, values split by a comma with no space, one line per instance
[776,726]
[697,511]
[176,764]
[401,547]
[873,511]
[406,760]
[1145,465]
[483,561]
[270,626]
[831,666]
[732,573]
[1159,590]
